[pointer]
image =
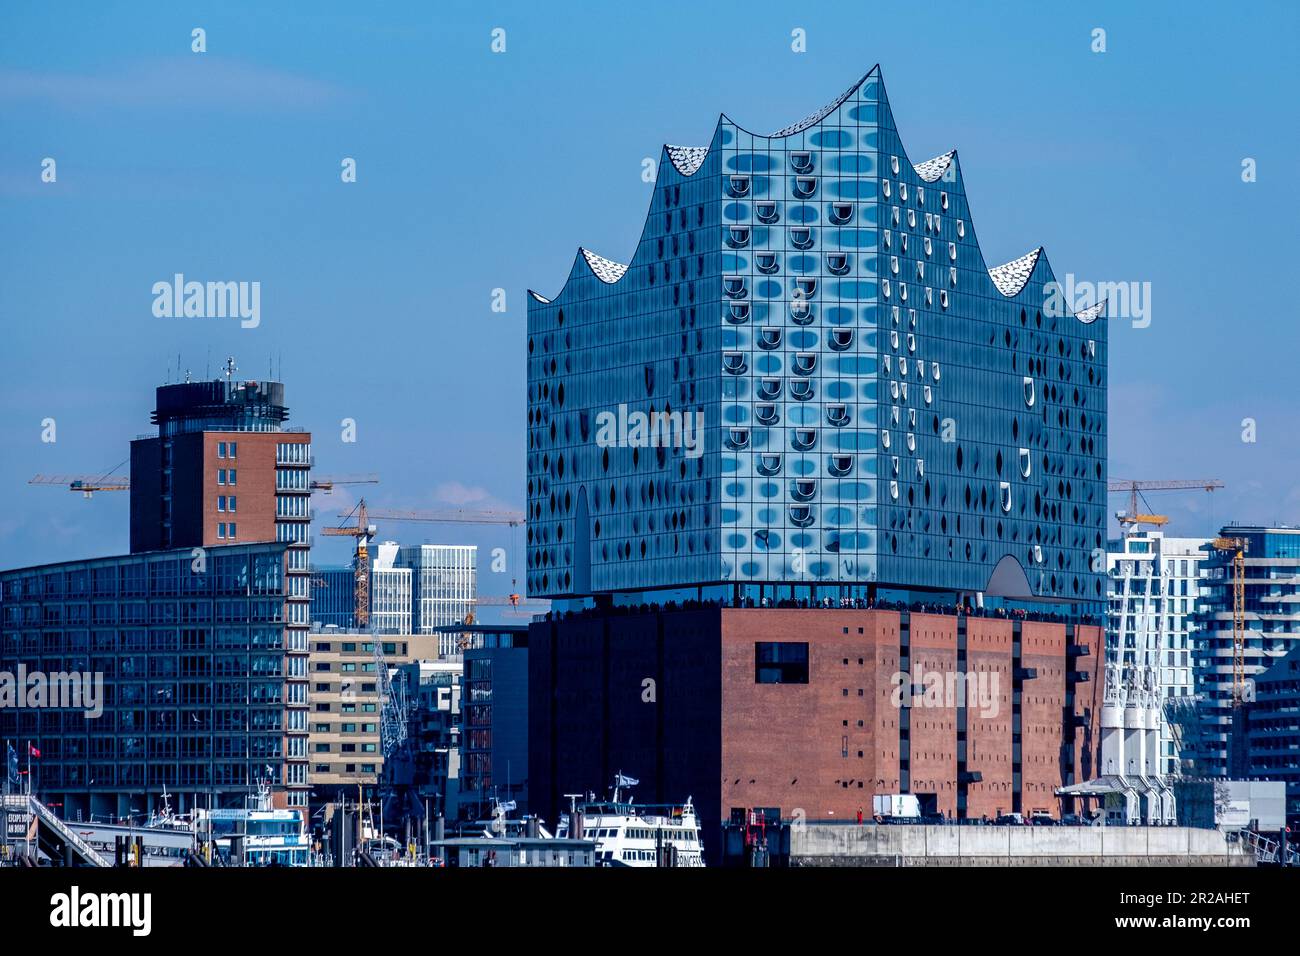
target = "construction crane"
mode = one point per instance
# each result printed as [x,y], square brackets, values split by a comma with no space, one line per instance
[363,531]
[394,712]
[86,484]
[1237,547]
[455,516]
[326,483]
[89,484]
[1132,518]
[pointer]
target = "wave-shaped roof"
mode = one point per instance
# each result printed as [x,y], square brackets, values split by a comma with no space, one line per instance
[607,270]
[933,169]
[687,159]
[1010,277]
[825,111]
[1092,313]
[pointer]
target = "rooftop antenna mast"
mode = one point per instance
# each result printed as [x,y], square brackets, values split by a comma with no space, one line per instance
[230,368]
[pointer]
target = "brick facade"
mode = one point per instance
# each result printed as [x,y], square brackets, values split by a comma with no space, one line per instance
[709,729]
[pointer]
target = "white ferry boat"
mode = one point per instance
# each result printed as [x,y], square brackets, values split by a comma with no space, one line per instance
[628,834]
[260,835]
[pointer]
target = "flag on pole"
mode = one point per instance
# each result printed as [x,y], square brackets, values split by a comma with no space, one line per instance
[622,781]
[12,763]
[34,751]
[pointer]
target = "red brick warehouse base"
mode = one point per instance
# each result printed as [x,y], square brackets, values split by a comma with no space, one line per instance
[800,709]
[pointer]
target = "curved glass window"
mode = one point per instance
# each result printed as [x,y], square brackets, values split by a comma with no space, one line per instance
[738,186]
[801,390]
[803,438]
[803,489]
[738,236]
[801,162]
[801,516]
[766,212]
[805,186]
[769,389]
[837,415]
[801,237]
[841,213]
[839,465]
[768,464]
[735,287]
[769,338]
[739,312]
[766,262]
[805,363]
[837,263]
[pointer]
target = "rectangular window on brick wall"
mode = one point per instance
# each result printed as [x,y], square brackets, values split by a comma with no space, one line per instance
[781,662]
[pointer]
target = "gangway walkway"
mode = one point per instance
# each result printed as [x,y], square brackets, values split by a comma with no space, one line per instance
[53,836]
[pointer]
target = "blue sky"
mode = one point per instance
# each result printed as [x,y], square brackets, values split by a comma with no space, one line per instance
[479,171]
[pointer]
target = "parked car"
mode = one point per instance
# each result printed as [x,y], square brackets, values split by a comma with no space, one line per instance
[1010,819]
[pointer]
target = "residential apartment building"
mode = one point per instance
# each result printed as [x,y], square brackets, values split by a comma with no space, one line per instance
[1154,587]
[1271,615]
[345,713]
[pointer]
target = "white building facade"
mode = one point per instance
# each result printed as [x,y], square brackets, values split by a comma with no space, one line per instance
[444,587]
[391,602]
[1154,586]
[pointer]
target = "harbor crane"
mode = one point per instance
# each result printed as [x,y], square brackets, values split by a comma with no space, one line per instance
[1131,518]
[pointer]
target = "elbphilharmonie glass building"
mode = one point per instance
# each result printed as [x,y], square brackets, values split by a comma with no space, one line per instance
[808,377]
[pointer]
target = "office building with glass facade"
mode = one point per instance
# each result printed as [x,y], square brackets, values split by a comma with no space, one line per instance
[333,594]
[1266,734]
[808,381]
[444,587]
[203,664]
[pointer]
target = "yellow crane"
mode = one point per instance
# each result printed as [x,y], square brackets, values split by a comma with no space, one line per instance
[1132,517]
[86,484]
[363,531]
[1237,547]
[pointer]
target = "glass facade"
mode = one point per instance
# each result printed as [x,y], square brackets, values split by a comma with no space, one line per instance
[204,677]
[444,587]
[1272,628]
[808,375]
